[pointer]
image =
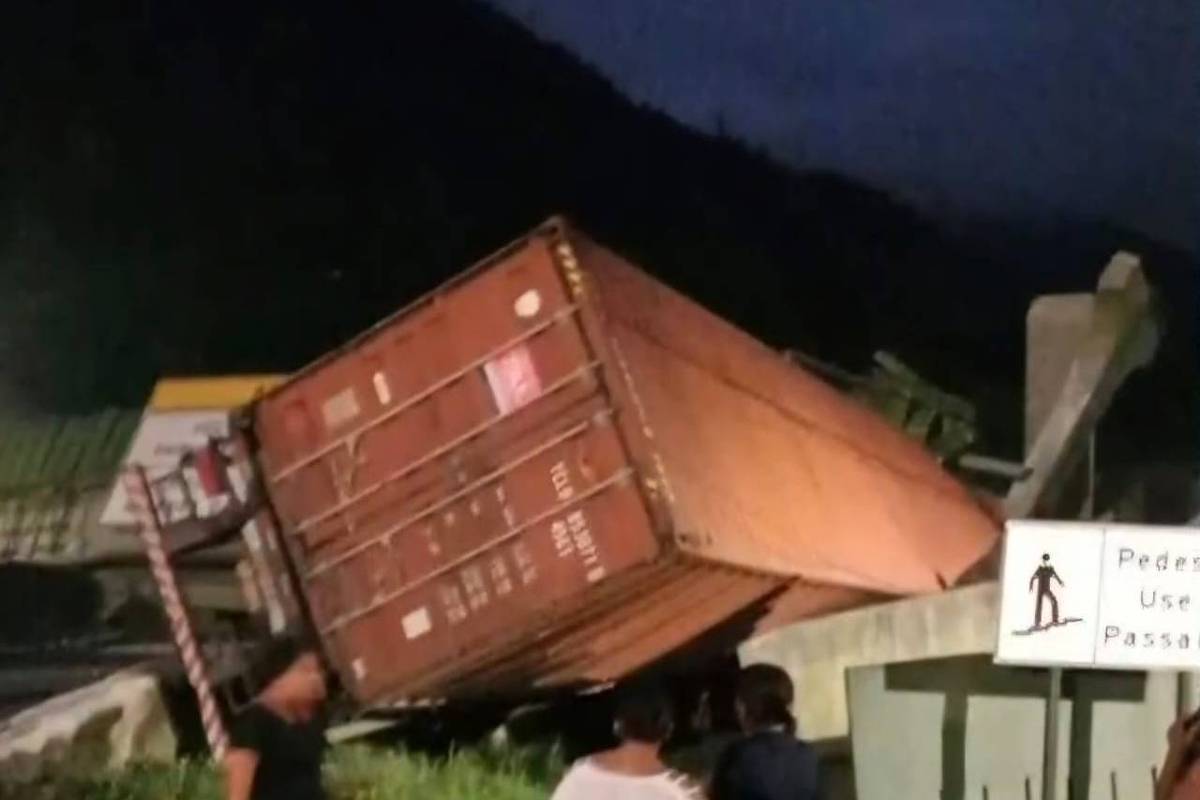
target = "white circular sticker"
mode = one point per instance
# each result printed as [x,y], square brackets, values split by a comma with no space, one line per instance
[528,304]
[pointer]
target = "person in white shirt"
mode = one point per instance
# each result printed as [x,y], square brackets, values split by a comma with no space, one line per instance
[634,769]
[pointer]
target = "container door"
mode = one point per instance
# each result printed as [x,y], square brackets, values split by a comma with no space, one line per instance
[454,480]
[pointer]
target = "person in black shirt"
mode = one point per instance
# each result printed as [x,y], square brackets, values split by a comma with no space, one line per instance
[769,762]
[277,742]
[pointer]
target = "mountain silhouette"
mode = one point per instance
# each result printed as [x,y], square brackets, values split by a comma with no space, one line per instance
[241,187]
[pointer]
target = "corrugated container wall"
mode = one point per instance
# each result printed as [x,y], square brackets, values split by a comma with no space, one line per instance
[556,470]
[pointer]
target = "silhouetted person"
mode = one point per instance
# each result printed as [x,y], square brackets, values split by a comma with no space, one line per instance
[277,742]
[1042,577]
[769,763]
[710,724]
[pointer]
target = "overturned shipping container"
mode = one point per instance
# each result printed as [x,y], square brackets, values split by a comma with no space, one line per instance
[555,470]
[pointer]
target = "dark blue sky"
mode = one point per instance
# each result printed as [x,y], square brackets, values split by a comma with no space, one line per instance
[1076,107]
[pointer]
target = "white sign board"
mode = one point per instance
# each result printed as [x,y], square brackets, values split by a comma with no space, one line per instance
[1100,595]
[161,439]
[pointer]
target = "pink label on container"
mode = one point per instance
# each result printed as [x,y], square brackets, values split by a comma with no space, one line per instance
[513,379]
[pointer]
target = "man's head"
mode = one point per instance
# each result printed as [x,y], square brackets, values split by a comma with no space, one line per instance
[643,714]
[291,666]
[764,698]
[1045,558]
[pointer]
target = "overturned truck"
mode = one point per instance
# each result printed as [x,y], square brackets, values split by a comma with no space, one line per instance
[552,472]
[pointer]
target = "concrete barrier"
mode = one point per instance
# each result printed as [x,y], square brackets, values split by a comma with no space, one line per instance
[817,653]
[104,725]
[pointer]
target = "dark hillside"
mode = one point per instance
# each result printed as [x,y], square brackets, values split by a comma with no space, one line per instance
[242,187]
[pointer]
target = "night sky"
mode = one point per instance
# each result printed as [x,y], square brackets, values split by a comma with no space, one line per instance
[1077,108]
[287,174]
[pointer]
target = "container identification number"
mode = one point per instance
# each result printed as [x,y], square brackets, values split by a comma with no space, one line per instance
[572,534]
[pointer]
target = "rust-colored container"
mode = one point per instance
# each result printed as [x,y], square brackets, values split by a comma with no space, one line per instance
[555,470]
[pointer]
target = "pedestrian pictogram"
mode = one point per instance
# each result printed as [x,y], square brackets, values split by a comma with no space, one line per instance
[1042,581]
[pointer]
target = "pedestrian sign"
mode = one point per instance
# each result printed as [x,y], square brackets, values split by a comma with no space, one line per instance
[1100,595]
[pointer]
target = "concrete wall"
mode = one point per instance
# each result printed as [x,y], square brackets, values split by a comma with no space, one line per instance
[105,725]
[952,728]
[817,653]
[932,717]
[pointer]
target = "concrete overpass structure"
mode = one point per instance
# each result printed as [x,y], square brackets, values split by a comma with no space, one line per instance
[1081,349]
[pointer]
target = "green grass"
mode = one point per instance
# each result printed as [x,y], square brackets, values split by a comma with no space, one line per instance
[351,773]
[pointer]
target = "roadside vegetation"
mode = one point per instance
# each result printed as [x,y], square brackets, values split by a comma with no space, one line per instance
[352,773]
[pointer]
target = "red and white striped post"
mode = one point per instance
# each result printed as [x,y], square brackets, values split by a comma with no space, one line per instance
[138,487]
